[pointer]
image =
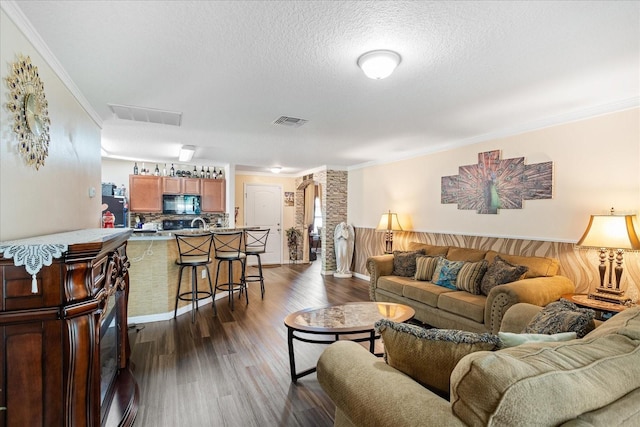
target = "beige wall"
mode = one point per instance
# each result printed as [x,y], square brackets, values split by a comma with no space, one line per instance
[596,166]
[118,171]
[56,197]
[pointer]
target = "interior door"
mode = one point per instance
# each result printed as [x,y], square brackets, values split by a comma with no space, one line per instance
[263,208]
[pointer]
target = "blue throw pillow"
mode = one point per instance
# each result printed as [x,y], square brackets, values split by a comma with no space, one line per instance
[446,273]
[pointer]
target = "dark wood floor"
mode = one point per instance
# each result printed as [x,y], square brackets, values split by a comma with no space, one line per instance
[233,369]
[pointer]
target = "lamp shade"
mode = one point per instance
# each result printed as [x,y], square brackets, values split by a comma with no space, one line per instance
[379,64]
[389,221]
[610,231]
[186,153]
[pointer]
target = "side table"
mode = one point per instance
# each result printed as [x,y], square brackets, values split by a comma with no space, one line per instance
[604,310]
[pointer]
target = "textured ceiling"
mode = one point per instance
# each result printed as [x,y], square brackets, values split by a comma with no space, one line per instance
[469,71]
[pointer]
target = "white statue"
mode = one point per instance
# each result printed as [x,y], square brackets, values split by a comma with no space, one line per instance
[343,239]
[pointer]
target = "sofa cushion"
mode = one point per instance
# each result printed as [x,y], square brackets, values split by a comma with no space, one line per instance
[509,339]
[547,383]
[623,412]
[404,263]
[394,284]
[463,304]
[424,292]
[470,276]
[500,272]
[429,355]
[536,266]
[446,272]
[465,254]
[562,316]
[626,323]
[428,249]
[425,265]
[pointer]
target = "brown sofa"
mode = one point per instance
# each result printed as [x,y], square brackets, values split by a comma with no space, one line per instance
[593,381]
[454,309]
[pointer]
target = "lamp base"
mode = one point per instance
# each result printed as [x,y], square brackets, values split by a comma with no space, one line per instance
[609,290]
[615,296]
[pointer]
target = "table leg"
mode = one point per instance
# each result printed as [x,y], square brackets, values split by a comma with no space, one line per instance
[372,342]
[292,361]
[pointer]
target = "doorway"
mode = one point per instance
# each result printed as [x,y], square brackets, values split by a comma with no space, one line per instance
[263,208]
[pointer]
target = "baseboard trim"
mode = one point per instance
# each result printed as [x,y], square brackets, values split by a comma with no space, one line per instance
[150,318]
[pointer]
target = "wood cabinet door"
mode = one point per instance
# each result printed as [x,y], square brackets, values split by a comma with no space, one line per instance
[171,185]
[31,389]
[191,186]
[213,195]
[145,193]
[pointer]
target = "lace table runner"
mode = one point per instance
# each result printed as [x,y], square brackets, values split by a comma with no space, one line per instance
[36,252]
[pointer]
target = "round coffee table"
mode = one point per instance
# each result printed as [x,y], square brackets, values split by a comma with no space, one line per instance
[342,319]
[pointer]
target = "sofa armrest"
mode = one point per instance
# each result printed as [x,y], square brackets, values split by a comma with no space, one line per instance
[379,265]
[518,316]
[538,291]
[369,392]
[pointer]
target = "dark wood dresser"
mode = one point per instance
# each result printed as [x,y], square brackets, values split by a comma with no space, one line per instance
[64,357]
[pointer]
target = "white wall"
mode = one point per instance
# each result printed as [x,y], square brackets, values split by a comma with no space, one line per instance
[596,166]
[56,197]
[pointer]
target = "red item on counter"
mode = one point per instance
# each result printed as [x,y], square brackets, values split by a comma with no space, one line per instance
[108,219]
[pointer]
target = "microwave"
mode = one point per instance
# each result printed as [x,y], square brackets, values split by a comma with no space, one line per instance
[181,204]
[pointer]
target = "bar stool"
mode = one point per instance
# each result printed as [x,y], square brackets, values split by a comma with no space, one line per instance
[194,251]
[228,248]
[256,244]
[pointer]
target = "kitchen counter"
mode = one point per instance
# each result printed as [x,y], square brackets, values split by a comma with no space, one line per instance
[170,234]
[154,274]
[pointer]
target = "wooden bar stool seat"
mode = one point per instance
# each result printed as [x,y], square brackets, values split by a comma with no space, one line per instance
[194,251]
[228,249]
[256,244]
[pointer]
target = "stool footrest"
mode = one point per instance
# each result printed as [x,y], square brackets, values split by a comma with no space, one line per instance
[187,296]
[230,286]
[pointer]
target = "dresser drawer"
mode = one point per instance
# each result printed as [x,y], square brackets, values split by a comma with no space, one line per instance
[15,290]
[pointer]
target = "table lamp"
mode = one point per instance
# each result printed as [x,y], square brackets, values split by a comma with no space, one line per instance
[389,223]
[609,233]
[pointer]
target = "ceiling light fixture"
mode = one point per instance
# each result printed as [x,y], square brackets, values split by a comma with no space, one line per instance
[276,169]
[379,64]
[186,153]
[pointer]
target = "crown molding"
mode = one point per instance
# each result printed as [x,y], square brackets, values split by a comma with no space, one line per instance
[560,119]
[13,11]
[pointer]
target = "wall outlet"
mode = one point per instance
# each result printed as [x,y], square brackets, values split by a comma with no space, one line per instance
[204,274]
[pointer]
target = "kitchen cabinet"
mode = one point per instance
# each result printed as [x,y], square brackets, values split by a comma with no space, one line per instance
[213,195]
[145,193]
[171,185]
[65,354]
[176,185]
[191,186]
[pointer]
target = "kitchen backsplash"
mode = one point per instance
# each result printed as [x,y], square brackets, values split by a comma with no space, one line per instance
[157,218]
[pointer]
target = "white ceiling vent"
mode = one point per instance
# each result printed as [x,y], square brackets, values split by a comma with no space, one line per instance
[148,115]
[291,122]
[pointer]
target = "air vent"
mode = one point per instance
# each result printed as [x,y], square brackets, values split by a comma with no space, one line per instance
[148,115]
[291,122]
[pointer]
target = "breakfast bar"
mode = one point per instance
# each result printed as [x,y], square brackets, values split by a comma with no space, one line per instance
[154,273]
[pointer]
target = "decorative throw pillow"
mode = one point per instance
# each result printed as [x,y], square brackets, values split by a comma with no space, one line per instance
[404,262]
[562,316]
[510,339]
[425,265]
[501,272]
[470,276]
[429,355]
[446,272]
